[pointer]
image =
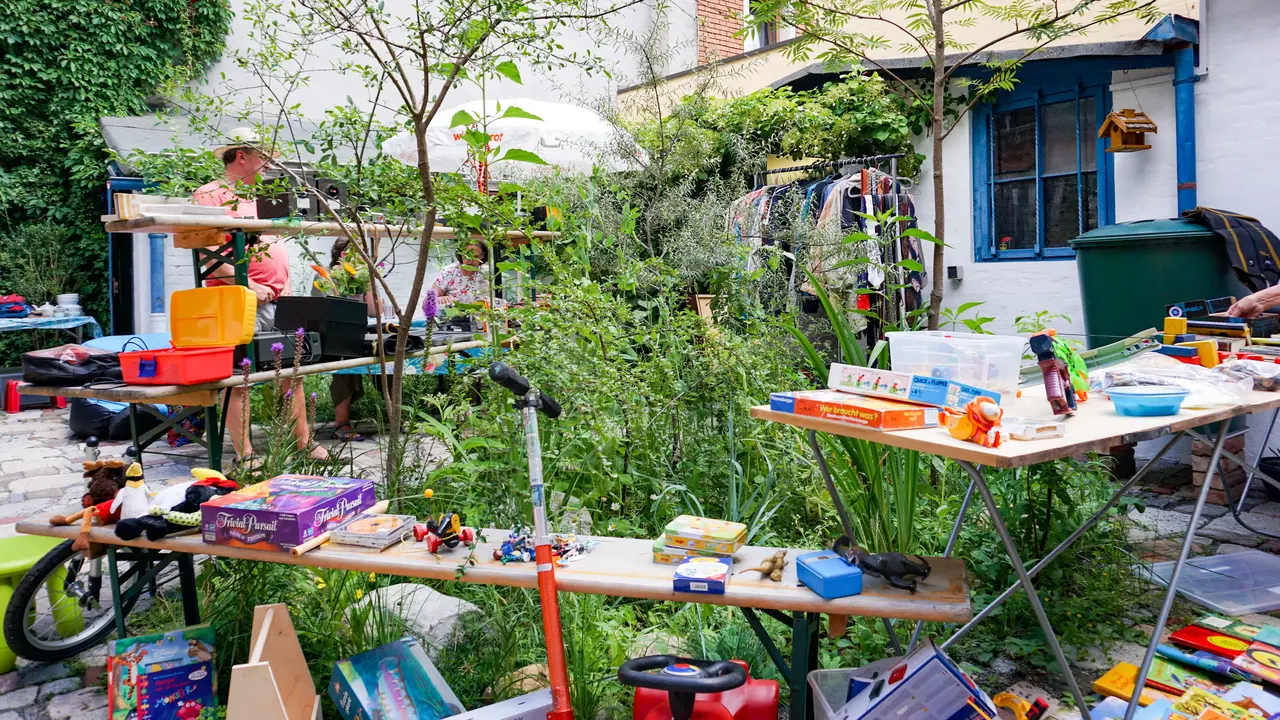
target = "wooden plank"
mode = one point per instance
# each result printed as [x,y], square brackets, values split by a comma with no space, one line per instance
[289,226]
[1094,427]
[195,239]
[276,644]
[206,394]
[254,694]
[618,567]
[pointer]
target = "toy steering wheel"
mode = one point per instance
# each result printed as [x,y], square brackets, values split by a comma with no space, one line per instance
[682,678]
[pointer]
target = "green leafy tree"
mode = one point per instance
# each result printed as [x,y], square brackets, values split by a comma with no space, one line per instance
[410,56]
[62,66]
[848,33]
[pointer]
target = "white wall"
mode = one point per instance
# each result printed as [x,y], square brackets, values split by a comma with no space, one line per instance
[1146,182]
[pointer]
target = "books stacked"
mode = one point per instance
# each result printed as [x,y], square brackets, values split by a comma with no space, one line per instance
[163,676]
[691,536]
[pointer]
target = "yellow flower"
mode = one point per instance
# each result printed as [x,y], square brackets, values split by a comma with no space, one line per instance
[359,594]
[373,577]
[428,493]
[349,268]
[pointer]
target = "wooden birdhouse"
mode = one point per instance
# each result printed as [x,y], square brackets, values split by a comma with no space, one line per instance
[1127,129]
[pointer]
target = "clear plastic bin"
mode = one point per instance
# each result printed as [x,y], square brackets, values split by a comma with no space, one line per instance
[1237,584]
[831,687]
[987,361]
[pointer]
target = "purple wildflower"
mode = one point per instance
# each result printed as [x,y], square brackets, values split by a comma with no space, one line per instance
[299,332]
[288,394]
[245,363]
[430,304]
[277,348]
[314,396]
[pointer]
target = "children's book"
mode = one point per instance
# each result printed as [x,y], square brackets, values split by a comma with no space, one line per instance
[1174,678]
[1120,680]
[1230,626]
[168,676]
[1253,697]
[1261,660]
[1197,637]
[393,682]
[1200,704]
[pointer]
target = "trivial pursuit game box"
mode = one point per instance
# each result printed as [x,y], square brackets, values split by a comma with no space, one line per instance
[283,512]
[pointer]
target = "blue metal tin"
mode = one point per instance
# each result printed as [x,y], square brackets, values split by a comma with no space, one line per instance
[827,574]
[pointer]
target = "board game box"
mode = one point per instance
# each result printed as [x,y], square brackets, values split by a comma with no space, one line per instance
[925,685]
[704,575]
[869,412]
[283,512]
[921,389]
[394,681]
[167,676]
[374,530]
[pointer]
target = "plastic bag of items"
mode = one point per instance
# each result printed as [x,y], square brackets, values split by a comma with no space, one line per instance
[1266,375]
[1208,389]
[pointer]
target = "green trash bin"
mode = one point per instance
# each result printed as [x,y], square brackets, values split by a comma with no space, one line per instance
[1130,271]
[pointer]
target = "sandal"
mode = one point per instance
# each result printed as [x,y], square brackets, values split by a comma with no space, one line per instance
[346,433]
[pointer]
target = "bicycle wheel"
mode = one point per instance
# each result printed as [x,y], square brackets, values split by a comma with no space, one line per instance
[60,607]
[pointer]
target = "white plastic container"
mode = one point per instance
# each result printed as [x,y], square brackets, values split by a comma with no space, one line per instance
[67,299]
[831,687]
[987,361]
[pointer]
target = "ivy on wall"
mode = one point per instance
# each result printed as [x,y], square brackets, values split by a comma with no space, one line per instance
[63,65]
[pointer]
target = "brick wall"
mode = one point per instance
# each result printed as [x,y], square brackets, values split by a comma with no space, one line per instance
[718,20]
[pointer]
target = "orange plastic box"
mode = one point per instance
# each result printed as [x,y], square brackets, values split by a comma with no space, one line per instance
[205,325]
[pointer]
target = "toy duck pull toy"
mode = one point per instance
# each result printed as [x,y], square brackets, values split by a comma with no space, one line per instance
[446,530]
[979,422]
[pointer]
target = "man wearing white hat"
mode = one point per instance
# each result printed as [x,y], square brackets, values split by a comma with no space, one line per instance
[243,159]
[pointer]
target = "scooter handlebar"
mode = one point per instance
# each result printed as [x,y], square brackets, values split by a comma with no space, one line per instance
[507,377]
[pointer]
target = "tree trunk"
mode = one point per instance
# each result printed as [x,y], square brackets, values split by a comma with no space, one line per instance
[939,208]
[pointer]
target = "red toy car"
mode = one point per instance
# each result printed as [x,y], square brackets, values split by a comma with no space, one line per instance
[685,689]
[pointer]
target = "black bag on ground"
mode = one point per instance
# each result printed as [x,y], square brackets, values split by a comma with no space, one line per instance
[106,420]
[69,365]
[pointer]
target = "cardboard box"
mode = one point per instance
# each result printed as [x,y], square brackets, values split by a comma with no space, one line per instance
[283,512]
[533,706]
[396,680]
[703,575]
[926,685]
[920,389]
[873,413]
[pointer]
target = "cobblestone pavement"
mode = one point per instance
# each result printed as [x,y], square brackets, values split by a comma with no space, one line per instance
[40,472]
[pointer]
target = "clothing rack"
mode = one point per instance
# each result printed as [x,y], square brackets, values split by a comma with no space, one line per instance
[837,164]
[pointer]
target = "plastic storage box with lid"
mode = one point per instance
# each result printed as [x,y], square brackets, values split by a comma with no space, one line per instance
[205,325]
[1237,584]
[828,574]
[713,536]
[985,361]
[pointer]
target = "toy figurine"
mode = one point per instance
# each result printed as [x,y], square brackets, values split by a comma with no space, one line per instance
[1021,709]
[772,566]
[106,478]
[518,547]
[177,507]
[979,422]
[446,530]
[1057,379]
[900,571]
[134,498]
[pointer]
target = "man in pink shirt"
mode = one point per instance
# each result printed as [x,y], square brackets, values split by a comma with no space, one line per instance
[243,162]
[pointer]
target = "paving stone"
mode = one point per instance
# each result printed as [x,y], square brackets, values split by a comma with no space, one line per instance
[59,687]
[89,702]
[1229,549]
[1227,529]
[18,699]
[24,467]
[1268,508]
[1158,523]
[10,716]
[1209,511]
[1259,620]
[46,485]
[9,682]
[21,508]
[41,673]
[1165,549]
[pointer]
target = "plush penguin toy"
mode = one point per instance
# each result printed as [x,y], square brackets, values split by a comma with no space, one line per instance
[134,499]
[177,507]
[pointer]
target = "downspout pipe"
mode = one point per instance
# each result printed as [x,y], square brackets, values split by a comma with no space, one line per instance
[1184,88]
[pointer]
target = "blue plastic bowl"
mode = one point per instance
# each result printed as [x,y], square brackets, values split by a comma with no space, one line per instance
[1147,400]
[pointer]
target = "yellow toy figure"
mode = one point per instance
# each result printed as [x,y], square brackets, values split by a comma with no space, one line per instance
[980,422]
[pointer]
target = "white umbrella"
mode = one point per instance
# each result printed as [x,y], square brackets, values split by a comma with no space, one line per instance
[567,137]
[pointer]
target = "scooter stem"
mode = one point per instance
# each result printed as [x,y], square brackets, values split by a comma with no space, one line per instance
[547,593]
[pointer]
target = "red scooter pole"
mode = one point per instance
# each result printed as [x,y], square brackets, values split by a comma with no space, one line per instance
[530,400]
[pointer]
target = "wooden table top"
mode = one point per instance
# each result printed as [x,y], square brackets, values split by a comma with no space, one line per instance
[617,567]
[198,394]
[281,226]
[1094,427]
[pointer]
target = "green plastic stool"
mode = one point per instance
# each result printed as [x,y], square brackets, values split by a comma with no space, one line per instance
[17,556]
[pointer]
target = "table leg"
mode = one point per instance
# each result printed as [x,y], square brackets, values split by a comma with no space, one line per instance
[1071,539]
[831,486]
[190,598]
[951,544]
[769,647]
[213,436]
[133,433]
[1262,448]
[804,657]
[117,602]
[1025,580]
[1172,591]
